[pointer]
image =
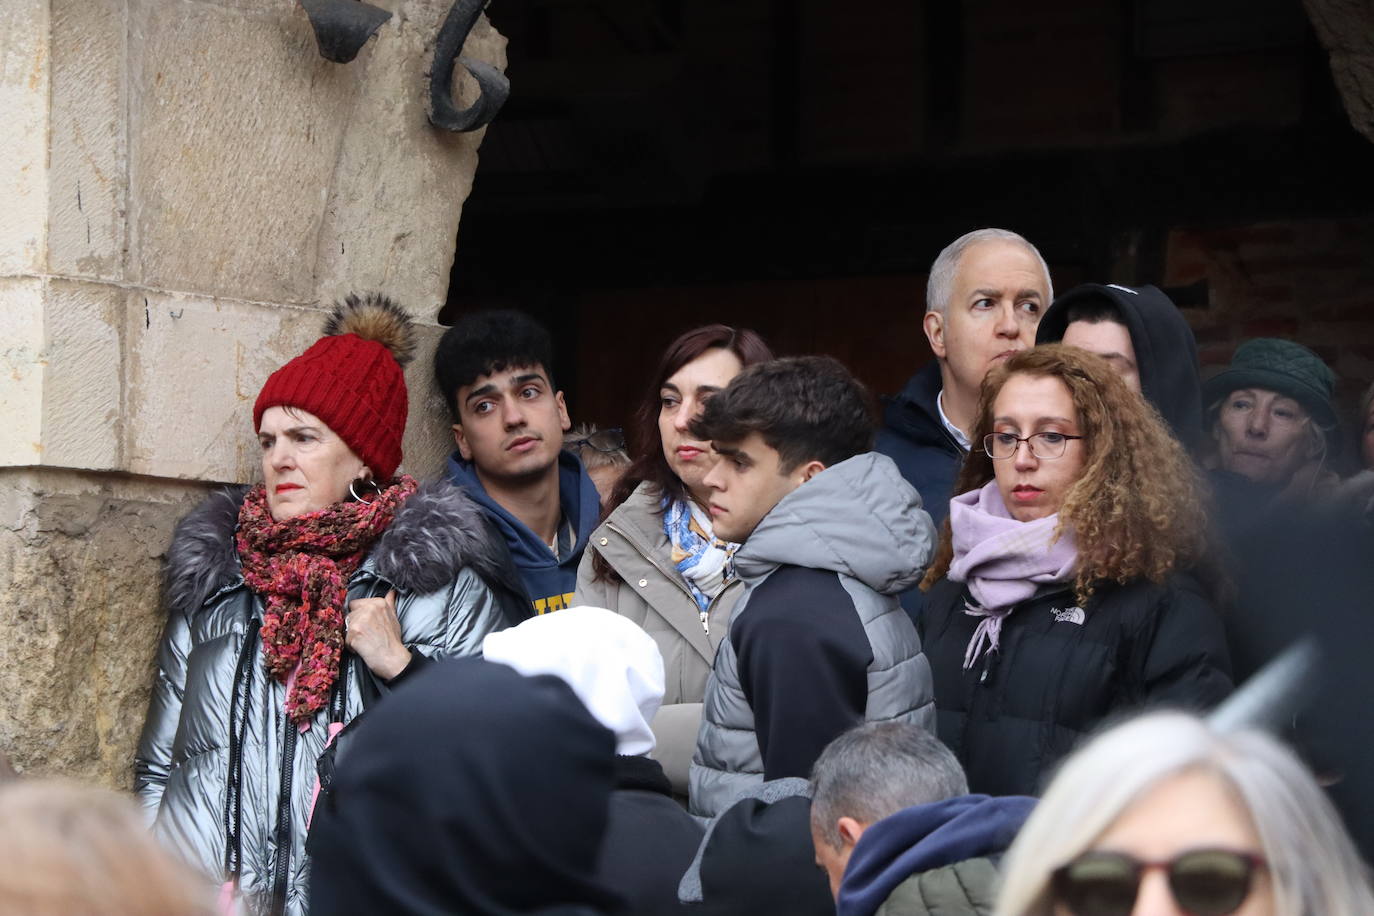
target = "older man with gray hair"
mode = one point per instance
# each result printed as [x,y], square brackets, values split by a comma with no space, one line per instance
[896,830]
[984,298]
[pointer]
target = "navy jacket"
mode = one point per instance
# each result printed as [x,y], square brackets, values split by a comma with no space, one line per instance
[924,451]
[913,436]
[549,581]
[923,838]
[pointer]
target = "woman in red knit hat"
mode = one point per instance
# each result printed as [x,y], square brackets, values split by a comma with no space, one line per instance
[293,602]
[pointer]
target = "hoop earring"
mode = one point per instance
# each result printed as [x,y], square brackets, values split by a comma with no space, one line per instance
[352,488]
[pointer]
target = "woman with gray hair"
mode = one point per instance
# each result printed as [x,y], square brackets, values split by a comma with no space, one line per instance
[1272,419]
[1167,814]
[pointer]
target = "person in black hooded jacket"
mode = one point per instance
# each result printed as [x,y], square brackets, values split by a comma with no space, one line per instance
[617,672]
[1145,338]
[474,790]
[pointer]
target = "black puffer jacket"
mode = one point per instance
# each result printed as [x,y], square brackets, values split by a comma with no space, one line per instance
[1062,669]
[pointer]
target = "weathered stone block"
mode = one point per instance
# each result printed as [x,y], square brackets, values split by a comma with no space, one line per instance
[80,556]
[82,365]
[195,367]
[235,126]
[21,370]
[88,181]
[25,70]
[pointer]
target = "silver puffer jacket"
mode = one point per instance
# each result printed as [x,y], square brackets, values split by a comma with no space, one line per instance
[211,685]
[860,520]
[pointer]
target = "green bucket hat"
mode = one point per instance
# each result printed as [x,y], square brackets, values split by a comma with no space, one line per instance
[1283,366]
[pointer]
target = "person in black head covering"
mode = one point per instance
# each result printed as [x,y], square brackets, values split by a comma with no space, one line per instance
[1145,338]
[474,790]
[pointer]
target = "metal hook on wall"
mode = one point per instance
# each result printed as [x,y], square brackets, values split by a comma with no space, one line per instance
[493,85]
[342,27]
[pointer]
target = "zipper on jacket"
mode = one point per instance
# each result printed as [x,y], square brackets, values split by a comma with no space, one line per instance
[238,729]
[283,832]
[676,578]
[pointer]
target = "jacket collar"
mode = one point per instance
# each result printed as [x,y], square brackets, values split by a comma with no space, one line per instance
[437,533]
[638,521]
[914,412]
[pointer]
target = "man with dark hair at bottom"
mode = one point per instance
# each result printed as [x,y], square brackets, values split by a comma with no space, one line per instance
[1146,339]
[830,535]
[896,830]
[493,368]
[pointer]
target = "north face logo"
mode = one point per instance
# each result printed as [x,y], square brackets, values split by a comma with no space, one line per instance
[1069,615]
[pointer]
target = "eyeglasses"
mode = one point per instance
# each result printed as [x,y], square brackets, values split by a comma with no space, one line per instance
[602,440]
[1204,882]
[1045,446]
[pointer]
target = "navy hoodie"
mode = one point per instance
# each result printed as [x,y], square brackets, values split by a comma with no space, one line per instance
[549,581]
[923,838]
[1165,351]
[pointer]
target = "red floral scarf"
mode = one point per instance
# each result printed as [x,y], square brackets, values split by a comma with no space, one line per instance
[301,566]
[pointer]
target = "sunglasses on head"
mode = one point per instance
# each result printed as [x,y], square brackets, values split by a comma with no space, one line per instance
[602,440]
[1204,882]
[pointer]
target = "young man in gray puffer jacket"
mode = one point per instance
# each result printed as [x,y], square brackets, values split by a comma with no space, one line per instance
[831,535]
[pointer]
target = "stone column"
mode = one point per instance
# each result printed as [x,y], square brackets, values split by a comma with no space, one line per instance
[1346,29]
[184,186]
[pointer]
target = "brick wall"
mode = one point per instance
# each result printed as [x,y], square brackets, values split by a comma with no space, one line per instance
[1311,281]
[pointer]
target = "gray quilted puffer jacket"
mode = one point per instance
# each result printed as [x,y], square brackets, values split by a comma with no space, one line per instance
[436,557]
[860,520]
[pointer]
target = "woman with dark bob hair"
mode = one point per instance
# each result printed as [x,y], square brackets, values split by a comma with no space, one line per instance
[1062,590]
[292,602]
[654,559]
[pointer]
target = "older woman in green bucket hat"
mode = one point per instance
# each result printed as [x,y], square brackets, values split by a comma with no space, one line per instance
[1272,419]
[1272,426]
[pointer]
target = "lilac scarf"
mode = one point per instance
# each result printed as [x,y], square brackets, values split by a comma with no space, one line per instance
[1003,561]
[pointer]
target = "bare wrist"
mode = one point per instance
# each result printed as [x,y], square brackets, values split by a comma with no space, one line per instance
[394,663]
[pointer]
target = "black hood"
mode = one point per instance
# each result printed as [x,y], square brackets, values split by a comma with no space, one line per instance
[471,790]
[1165,350]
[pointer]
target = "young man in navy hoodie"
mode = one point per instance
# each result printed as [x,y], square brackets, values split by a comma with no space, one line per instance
[493,368]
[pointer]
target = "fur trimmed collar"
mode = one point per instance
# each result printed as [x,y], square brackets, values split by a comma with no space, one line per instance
[435,535]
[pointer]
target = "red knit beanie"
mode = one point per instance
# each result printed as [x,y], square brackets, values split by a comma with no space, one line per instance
[352,380]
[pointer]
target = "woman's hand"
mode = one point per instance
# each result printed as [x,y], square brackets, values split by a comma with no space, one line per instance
[372,630]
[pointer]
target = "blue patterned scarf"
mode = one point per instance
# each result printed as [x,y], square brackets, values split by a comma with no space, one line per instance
[703,560]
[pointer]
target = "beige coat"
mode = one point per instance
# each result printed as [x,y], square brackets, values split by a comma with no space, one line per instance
[652,593]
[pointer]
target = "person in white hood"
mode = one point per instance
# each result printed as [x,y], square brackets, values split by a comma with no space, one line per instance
[615,668]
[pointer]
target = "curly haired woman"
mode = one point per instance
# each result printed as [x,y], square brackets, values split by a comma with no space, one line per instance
[1064,588]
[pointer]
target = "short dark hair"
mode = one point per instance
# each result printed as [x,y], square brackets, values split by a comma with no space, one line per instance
[875,770]
[807,408]
[1093,309]
[491,340]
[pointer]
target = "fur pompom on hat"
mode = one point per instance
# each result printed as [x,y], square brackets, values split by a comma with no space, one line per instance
[352,380]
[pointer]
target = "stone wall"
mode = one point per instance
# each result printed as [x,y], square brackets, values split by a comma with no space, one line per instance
[184,186]
[1346,30]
